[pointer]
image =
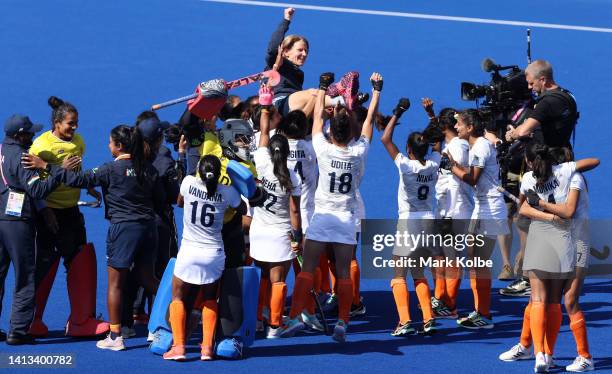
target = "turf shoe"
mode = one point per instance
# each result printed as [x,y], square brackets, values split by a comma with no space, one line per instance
[291,327]
[274,332]
[429,327]
[111,344]
[311,321]
[506,273]
[176,353]
[550,361]
[207,354]
[347,87]
[541,365]
[518,352]
[475,321]
[358,310]
[339,332]
[440,310]
[519,287]
[581,364]
[403,329]
[331,305]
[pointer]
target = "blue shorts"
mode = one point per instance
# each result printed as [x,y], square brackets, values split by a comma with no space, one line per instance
[281,103]
[131,242]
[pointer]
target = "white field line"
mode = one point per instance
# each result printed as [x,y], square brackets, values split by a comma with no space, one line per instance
[415,15]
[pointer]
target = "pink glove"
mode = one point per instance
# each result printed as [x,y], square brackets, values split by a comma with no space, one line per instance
[266,94]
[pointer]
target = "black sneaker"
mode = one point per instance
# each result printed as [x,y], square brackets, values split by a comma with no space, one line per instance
[403,329]
[19,339]
[358,310]
[429,327]
[475,321]
[519,287]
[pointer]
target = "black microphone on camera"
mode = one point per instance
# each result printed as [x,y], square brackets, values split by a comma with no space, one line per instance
[488,65]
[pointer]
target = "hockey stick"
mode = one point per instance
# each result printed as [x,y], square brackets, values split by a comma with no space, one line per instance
[272,77]
[89,204]
[313,293]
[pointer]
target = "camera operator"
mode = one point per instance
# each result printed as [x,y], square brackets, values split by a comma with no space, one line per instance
[555,110]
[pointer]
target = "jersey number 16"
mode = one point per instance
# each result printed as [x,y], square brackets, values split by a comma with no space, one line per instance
[207,214]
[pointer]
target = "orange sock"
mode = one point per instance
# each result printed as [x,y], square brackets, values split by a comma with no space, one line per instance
[453,284]
[553,325]
[400,294]
[345,298]
[526,330]
[578,326]
[277,303]
[332,277]
[355,278]
[264,296]
[303,285]
[481,288]
[424,295]
[538,325]
[177,322]
[324,266]
[116,328]
[209,322]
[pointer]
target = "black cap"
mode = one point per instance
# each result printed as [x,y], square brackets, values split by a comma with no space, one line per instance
[18,123]
[152,128]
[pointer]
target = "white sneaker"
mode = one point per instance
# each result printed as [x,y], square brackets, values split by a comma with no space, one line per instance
[340,332]
[150,337]
[127,332]
[111,344]
[581,364]
[274,333]
[311,321]
[518,352]
[541,366]
[550,361]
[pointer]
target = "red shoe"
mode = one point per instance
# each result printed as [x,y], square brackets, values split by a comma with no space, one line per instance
[207,354]
[348,87]
[176,353]
[38,329]
[90,327]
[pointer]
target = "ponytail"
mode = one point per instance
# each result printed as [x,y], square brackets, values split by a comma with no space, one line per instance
[418,145]
[210,170]
[60,109]
[132,142]
[541,162]
[279,151]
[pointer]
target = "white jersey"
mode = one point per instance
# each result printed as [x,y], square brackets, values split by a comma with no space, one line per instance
[255,140]
[459,194]
[203,213]
[579,183]
[556,188]
[275,211]
[339,173]
[303,161]
[416,191]
[484,156]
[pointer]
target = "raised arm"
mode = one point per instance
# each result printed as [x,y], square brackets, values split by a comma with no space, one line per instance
[277,38]
[387,136]
[325,80]
[587,164]
[265,100]
[377,85]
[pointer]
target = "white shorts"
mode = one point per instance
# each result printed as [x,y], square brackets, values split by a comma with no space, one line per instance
[490,218]
[332,227]
[197,265]
[581,238]
[417,227]
[269,244]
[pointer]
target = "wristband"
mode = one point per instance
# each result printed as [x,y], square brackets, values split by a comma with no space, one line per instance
[297,235]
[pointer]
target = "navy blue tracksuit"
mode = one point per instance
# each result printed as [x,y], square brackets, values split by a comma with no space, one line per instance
[17,232]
